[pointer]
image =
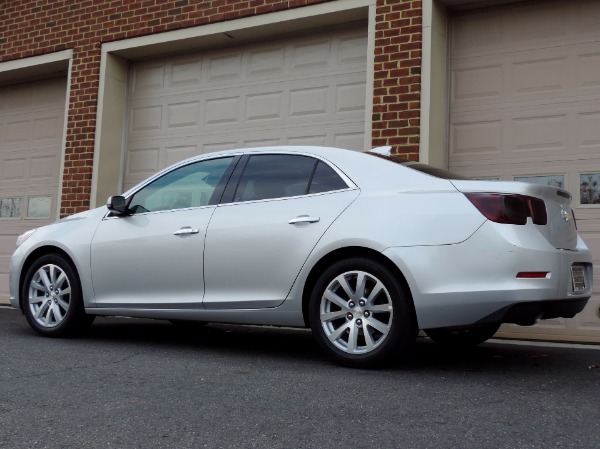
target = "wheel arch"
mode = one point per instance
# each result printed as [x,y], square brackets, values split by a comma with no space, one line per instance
[31,258]
[346,253]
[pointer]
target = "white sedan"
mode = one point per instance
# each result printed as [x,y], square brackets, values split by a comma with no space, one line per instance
[360,248]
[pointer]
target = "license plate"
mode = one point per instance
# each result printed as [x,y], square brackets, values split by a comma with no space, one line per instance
[578,278]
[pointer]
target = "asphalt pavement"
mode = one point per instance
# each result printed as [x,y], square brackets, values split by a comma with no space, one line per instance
[148,384]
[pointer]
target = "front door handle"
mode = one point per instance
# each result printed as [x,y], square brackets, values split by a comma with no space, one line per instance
[304,219]
[186,230]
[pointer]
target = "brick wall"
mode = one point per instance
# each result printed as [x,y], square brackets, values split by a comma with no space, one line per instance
[35,27]
[397,87]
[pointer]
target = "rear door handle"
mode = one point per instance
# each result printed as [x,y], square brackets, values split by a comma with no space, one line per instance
[186,230]
[304,219]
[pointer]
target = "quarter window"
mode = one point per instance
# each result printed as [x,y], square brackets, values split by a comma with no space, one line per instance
[326,179]
[189,186]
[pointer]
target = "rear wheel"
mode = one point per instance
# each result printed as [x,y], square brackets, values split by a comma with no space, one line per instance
[463,337]
[360,314]
[52,299]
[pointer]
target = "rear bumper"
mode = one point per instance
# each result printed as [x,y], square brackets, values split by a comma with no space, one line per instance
[529,313]
[475,282]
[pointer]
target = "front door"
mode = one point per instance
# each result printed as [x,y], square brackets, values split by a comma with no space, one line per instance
[153,258]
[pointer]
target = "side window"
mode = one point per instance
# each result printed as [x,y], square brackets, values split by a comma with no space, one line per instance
[275,176]
[326,179]
[189,186]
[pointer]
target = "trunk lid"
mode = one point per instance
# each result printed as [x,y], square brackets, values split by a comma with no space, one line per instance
[560,230]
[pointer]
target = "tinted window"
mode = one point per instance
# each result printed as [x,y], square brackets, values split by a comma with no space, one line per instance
[274,176]
[434,171]
[423,168]
[326,179]
[189,186]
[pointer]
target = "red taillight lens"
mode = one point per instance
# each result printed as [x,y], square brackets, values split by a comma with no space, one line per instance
[511,209]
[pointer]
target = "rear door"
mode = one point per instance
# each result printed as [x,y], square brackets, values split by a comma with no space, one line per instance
[259,239]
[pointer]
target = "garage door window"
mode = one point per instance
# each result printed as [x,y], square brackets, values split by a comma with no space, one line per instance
[39,207]
[10,207]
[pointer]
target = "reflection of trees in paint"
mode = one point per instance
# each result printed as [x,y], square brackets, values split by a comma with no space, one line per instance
[556,183]
[551,180]
[10,207]
[589,185]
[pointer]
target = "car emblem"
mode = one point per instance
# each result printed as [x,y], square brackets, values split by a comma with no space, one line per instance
[566,215]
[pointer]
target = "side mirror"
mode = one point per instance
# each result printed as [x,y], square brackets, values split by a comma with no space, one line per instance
[117,204]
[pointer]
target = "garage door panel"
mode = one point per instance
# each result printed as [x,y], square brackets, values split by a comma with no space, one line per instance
[31,130]
[525,104]
[552,22]
[531,24]
[43,167]
[252,65]
[41,128]
[540,132]
[12,170]
[148,77]
[301,100]
[540,75]
[309,89]
[476,137]
[39,169]
[481,82]
[561,72]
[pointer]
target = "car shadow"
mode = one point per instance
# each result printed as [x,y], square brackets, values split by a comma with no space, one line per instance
[286,344]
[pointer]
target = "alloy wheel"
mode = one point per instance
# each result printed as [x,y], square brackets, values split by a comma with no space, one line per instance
[356,312]
[49,295]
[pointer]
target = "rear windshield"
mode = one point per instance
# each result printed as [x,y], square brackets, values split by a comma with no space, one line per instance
[423,168]
[434,171]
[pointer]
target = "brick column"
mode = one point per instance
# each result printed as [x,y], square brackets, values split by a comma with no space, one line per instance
[397,89]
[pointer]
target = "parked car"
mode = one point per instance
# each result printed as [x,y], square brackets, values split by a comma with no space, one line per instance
[360,248]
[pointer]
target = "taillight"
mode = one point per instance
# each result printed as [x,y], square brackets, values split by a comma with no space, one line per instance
[511,209]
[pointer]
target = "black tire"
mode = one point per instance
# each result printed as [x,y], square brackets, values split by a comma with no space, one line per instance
[463,337]
[347,332]
[51,298]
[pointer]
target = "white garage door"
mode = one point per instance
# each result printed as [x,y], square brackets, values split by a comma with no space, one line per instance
[525,104]
[302,90]
[31,130]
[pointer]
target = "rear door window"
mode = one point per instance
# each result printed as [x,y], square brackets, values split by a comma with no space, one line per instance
[284,175]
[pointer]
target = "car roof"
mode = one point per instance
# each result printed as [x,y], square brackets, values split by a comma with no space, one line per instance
[367,171]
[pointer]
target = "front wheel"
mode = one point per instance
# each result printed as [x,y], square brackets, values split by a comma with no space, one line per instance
[360,314]
[52,298]
[463,337]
